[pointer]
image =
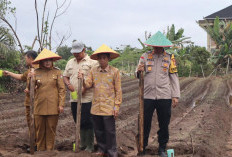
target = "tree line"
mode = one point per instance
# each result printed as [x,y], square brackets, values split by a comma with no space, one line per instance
[192,60]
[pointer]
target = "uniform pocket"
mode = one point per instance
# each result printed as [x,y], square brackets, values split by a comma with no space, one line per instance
[54,80]
[164,67]
[149,65]
[54,77]
[70,71]
[86,68]
[38,81]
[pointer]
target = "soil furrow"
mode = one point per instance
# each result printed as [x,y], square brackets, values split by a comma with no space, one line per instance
[200,124]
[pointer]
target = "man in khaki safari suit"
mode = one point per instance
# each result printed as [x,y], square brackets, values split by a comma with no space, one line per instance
[81,61]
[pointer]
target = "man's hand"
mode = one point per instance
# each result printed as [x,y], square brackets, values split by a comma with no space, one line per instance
[174,102]
[115,113]
[26,90]
[6,73]
[31,74]
[61,109]
[140,67]
[70,87]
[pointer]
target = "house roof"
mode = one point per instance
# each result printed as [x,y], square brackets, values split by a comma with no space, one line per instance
[225,13]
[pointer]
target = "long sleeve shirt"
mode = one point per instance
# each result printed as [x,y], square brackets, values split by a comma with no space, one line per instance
[49,92]
[161,79]
[107,92]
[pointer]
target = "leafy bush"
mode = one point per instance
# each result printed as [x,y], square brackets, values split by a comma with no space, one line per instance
[11,60]
[61,64]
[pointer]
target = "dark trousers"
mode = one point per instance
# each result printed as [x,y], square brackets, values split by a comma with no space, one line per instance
[163,109]
[104,128]
[86,117]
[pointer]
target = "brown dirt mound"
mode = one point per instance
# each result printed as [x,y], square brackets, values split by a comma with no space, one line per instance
[200,125]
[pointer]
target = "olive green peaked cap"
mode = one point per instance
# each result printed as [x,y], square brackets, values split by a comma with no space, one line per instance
[158,40]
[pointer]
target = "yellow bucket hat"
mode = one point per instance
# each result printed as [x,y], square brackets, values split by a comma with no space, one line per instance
[105,49]
[46,54]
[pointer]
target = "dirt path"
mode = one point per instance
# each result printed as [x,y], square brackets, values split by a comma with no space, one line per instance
[200,125]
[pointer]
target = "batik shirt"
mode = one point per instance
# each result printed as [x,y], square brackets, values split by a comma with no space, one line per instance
[107,92]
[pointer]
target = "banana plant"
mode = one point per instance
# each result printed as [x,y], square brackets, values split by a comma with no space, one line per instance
[221,33]
[178,39]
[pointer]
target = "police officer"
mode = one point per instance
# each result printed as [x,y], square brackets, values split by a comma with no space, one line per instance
[161,88]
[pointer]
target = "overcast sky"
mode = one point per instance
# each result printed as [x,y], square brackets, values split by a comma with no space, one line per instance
[118,22]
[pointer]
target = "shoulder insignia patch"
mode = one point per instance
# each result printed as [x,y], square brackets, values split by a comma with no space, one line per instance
[173,68]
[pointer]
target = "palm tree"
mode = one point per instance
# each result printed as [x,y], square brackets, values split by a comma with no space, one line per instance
[178,39]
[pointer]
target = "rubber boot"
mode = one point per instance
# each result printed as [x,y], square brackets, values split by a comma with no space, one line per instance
[83,139]
[89,136]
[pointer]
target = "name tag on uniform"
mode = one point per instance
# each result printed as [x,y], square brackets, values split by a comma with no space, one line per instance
[150,56]
[165,65]
[150,63]
[165,59]
[54,76]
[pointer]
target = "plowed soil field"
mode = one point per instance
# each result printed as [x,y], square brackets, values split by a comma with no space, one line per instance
[200,125]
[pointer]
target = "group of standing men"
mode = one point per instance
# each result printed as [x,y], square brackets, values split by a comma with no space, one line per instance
[101,93]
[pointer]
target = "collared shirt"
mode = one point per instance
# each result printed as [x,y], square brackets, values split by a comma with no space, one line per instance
[49,91]
[71,71]
[159,82]
[107,90]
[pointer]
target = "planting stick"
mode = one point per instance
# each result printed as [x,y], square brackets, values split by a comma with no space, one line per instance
[78,117]
[32,124]
[141,112]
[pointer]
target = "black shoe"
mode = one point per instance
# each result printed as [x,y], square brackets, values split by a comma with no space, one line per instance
[82,147]
[162,154]
[141,153]
[29,150]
